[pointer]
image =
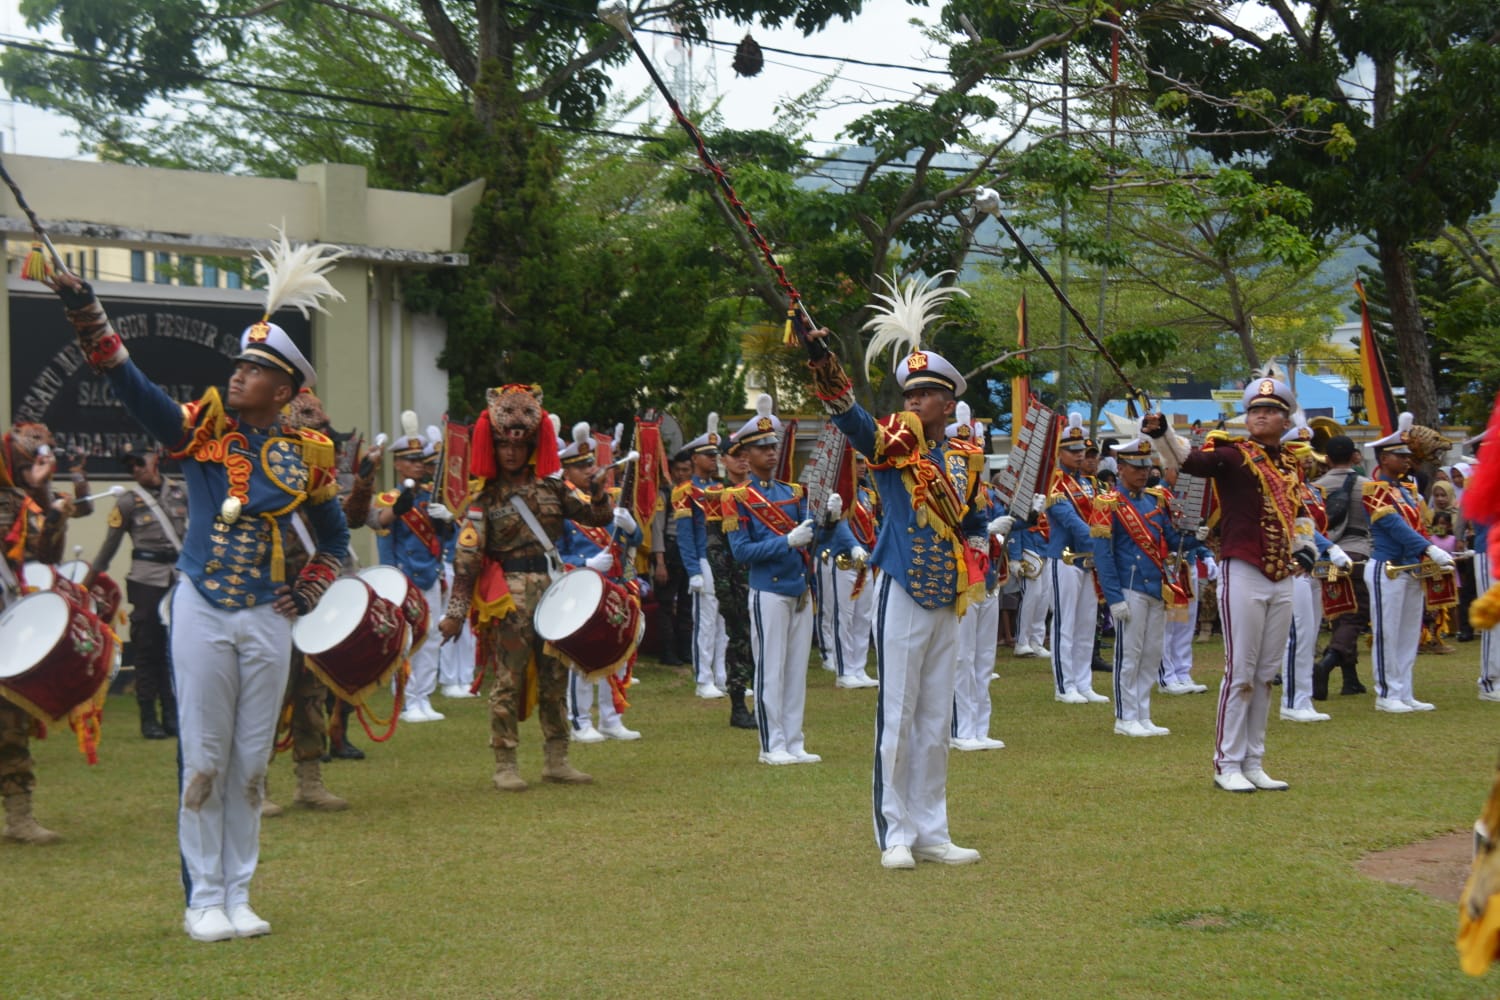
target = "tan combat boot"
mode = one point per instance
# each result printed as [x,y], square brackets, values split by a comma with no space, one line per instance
[20,826]
[310,790]
[267,807]
[557,767]
[507,778]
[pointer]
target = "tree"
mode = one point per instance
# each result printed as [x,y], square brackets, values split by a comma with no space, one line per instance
[1413,152]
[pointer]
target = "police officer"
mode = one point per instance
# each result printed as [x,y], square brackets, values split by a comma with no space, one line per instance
[153,512]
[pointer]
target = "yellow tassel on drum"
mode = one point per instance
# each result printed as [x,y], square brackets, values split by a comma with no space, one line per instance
[36,266]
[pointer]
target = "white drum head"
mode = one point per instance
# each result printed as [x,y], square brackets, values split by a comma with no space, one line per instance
[568,604]
[73,569]
[30,629]
[335,618]
[37,576]
[387,581]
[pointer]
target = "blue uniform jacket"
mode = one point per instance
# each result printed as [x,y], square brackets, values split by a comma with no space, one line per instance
[233,564]
[919,561]
[692,537]
[1069,529]
[774,567]
[399,546]
[1119,561]
[575,547]
[1392,537]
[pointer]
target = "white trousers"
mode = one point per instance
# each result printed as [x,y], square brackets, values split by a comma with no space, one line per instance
[1396,628]
[1036,601]
[230,670]
[424,666]
[916,649]
[1177,646]
[780,641]
[1137,656]
[581,700]
[1257,617]
[456,659]
[1489,649]
[1075,619]
[849,649]
[826,622]
[710,640]
[978,631]
[1296,675]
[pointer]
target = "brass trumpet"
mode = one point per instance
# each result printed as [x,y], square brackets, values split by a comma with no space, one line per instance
[1424,570]
[1083,559]
[1325,570]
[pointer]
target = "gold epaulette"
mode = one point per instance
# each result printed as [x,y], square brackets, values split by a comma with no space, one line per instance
[320,455]
[798,490]
[1217,437]
[203,421]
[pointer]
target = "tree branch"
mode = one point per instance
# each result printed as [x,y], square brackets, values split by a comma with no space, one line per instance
[449,43]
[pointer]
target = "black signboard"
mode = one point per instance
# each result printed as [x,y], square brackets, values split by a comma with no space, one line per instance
[185,347]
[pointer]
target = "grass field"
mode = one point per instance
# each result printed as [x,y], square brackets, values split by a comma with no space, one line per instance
[1111,867]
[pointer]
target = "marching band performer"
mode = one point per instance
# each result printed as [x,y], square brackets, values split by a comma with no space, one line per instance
[1307,603]
[689,507]
[732,589]
[34,525]
[1135,565]
[979,630]
[231,630]
[1266,535]
[929,573]
[410,526]
[500,572]
[1035,570]
[767,524]
[850,591]
[1073,523]
[602,550]
[1396,604]
[153,512]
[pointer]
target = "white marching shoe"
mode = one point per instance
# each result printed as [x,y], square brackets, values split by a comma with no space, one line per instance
[1131,728]
[1152,729]
[413,713]
[1094,696]
[1260,779]
[1419,706]
[1021,649]
[801,756]
[246,922]
[777,758]
[1489,695]
[959,743]
[457,691]
[856,679]
[1235,782]
[1392,705]
[898,857]
[1071,698]
[709,691]
[207,923]
[989,743]
[1303,715]
[430,713]
[618,731]
[586,733]
[946,854]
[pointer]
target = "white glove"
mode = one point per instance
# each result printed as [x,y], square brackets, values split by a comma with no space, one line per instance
[859,555]
[1120,612]
[602,561]
[1038,502]
[1339,558]
[1202,533]
[834,505]
[438,512]
[624,521]
[800,536]
[1212,568]
[1439,556]
[1000,525]
[695,583]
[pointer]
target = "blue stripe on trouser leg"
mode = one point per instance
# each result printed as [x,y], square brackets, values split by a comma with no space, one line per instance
[877,784]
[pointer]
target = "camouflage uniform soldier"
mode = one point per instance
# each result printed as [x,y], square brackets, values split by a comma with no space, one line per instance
[732,588]
[500,573]
[33,525]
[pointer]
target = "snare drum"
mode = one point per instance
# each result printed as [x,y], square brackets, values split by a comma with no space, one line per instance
[396,587]
[54,655]
[593,624]
[353,639]
[105,591]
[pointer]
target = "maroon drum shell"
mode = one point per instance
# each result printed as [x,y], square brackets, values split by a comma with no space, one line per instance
[600,641]
[370,648]
[68,674]
[413,605]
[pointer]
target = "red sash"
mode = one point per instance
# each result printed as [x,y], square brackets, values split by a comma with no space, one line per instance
[1173,593]
[862,523]
[767,512]
[420,525]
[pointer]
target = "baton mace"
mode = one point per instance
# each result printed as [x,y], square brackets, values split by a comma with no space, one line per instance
[987,200]
[36,225]
[617,16]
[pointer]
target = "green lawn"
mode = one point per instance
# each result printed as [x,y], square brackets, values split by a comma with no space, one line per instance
[1111,867]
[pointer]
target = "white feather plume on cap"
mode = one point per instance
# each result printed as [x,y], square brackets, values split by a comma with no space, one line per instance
[581,448]
[763,428]
[295,275]
[900,320]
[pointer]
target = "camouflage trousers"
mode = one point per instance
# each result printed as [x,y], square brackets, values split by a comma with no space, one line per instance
[732,588]
[308,698]
[16,776]
[506,647]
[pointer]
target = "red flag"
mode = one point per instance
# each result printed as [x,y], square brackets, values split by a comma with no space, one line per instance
[1380,405]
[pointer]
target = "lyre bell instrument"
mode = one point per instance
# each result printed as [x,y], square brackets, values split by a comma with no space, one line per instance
[846,561]
[1030,568]
[1426,569]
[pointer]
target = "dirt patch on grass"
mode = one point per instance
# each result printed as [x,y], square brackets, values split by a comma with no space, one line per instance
[1437,867]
